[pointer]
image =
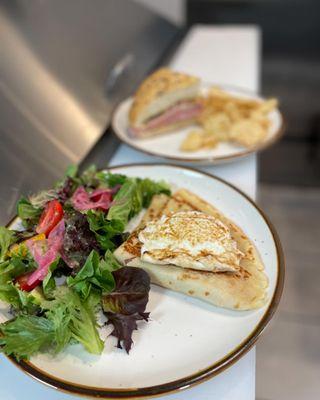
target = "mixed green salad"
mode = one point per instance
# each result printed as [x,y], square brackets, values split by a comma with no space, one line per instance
[58,273]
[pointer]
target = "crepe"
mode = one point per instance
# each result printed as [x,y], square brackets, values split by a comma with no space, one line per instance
[190,239]
[243,290]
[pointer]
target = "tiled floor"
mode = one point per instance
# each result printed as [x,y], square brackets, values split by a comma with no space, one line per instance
[288,355]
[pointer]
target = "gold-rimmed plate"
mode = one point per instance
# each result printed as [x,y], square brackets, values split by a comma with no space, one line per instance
[187,341]
[168,145]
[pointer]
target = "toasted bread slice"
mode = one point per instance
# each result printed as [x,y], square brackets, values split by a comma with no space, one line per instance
[159,91]
[243,290]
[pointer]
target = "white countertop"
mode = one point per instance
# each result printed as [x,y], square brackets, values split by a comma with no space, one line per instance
[226,55]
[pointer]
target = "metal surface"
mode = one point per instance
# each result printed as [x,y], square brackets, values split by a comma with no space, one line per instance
[63,67]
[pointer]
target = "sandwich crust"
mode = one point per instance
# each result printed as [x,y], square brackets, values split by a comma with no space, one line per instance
[162,81]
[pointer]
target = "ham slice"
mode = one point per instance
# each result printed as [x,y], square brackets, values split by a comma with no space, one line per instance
[180,112]
[99,198]
[45,252]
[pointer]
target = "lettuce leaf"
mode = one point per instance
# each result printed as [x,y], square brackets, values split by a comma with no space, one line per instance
[28,213]
[88,177]
[21,302]
[127,303]
[149,188]
[7,238]
[11,269]
[84,327]
[71,171]
[26,335]
[110,262]
[111,180]
[74,318]
[61,319]
[128,202]
[66,318]
[5,272]
[123,327]
[91,177]
[106,232]
[95,272]
[49,283]
[9,292]
[133,195]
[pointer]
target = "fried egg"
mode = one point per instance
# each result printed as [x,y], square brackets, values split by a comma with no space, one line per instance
[190,239]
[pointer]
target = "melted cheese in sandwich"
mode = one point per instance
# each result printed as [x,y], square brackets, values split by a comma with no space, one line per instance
[190,239]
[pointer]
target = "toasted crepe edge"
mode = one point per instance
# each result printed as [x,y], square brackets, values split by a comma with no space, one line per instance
[197,284]
[184,280]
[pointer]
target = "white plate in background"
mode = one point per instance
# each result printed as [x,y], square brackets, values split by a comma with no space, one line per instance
[168,145]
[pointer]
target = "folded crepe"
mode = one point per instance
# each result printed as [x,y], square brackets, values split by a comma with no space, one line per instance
[244,289]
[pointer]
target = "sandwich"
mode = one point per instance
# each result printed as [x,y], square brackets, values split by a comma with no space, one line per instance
[165,101]
[194,249]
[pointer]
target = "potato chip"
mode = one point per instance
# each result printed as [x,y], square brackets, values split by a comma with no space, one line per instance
[209,141]
[218,125]
[244,103]
[233,111]
[230,118]
[248,132]
[193,141]
[216,91]
[261,119]
[267,106]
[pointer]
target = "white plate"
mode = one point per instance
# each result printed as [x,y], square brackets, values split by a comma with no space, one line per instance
[186,340]
[168,145]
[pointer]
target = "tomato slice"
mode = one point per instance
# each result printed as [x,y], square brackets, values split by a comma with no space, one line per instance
[52,214]
[22,281]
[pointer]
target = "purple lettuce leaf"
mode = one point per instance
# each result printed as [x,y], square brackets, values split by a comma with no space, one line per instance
[66,190]
[78,242]
[123,326]
[126,304]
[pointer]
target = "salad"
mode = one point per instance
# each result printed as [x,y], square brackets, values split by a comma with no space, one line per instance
[58,273]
